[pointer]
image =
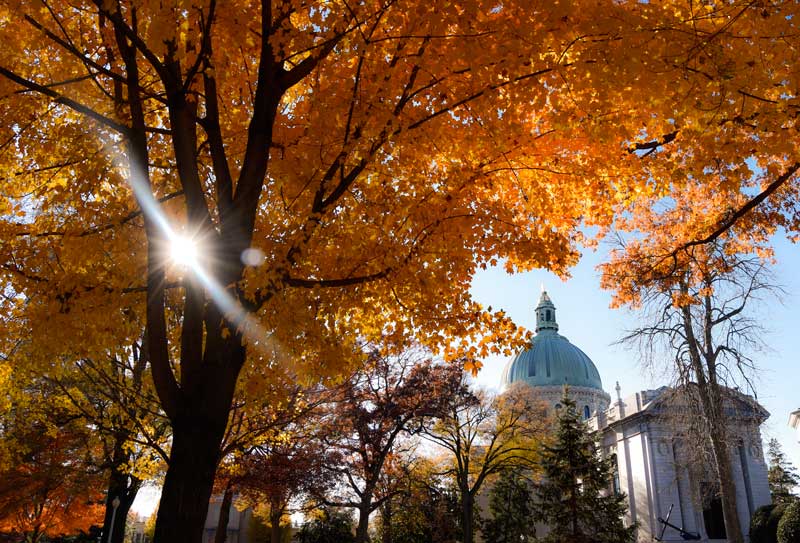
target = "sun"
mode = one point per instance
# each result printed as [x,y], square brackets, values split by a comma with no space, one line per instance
[183,251]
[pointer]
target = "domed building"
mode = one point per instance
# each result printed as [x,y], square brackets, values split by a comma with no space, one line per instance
[672,496]
[550,362]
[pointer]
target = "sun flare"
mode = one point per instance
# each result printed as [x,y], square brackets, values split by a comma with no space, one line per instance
[184,251]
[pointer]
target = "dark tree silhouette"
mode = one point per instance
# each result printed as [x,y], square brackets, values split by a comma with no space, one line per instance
[575,500]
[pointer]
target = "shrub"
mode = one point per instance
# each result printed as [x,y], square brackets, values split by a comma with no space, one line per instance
[789,525]
[764,523]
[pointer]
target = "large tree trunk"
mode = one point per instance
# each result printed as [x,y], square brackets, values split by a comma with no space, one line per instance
[467,511]
[187,487]
[275,533]
[733,528]
[711,401]
[198,412]
[703,364]
[124,487]
[193,463]
[275,515]
[386,521]
[362,532]
[221,533]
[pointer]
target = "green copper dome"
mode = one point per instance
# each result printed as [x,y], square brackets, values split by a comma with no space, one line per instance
[551,360]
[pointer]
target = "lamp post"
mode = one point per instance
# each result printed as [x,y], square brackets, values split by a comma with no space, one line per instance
[114,503]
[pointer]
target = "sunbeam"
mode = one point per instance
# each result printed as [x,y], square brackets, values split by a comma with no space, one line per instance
[187,252]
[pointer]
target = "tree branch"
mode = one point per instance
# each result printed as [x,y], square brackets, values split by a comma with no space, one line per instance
[61,99]
[731,219]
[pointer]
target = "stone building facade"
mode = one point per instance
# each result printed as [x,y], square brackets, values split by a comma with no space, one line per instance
[662,474]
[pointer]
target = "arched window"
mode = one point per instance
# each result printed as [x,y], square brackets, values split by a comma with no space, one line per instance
[558,406]
[586,412]
[547,315]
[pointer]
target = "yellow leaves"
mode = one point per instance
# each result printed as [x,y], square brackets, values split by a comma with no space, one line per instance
[300,19]
[143,464]
[5,385]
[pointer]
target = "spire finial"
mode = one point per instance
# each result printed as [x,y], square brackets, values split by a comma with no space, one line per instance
[545,313]
[620,403]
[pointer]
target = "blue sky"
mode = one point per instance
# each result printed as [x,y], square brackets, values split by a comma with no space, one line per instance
[584,317]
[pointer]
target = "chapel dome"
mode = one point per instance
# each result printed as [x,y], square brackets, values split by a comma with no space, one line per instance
[550,359]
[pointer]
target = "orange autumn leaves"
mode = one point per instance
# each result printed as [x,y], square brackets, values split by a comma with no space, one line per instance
[432,138]
[46,489]
[443,119]
[724,174]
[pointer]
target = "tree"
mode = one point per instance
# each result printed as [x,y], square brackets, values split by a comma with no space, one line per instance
[395,489]
[273,476]
[482,437]
[574,497]
[331,526]
[283,140]
[722,178]
[114,397]
[513,515]
[782,476]
[45,488]
[697,318]
[421,504]
[389,398]
[343,168]
[269,457]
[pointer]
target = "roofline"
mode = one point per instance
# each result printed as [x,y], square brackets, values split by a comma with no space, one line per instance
[644,410]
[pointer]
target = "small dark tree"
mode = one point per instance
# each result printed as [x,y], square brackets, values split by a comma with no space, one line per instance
[333,526]
[512,507]
[276,474]
[782,474]
[574,498]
